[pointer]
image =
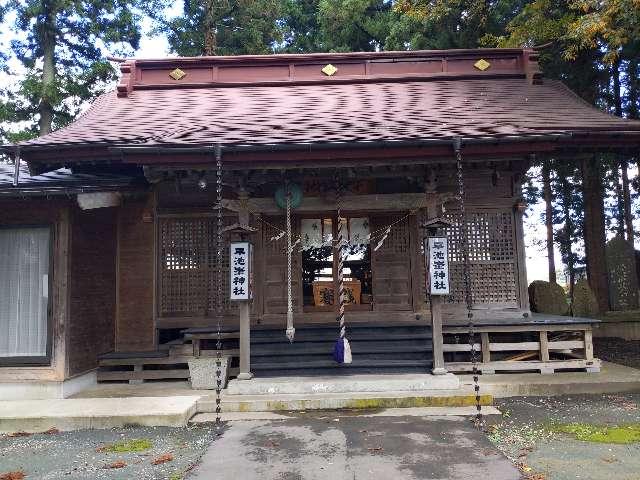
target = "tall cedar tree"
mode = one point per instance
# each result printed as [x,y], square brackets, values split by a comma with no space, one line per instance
[61,44]
[225,27]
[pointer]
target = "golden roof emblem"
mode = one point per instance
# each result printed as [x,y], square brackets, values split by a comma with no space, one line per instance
[329,70]
[177,74]
[482,64]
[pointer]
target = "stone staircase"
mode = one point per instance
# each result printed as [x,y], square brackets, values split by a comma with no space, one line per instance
[376,349]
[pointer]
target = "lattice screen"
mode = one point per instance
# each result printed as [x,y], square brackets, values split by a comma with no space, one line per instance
[492,255]
[187,267]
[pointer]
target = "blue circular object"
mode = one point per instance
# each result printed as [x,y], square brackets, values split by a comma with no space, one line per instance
[296,195]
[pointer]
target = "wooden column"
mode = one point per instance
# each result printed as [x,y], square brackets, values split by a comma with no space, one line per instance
[435,300]
[245,323]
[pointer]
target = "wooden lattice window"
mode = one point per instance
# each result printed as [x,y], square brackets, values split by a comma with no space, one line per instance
[187,267]
[492,257]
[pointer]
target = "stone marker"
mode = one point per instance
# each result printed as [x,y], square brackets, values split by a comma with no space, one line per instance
[584,300]
[546,297]
[203,372]
[623,280]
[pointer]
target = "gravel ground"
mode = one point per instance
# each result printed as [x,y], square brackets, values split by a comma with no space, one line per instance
[525,436]
[77,455]
[617,350]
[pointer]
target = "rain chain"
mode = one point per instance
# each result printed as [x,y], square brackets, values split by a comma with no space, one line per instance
[466,274]
[219,281]
[291,331]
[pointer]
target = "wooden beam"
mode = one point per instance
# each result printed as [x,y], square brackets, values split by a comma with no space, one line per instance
[375,202]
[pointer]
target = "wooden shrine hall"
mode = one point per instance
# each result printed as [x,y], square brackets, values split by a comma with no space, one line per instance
[130,281]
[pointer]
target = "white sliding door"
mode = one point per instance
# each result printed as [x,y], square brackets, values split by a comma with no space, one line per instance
[24,285]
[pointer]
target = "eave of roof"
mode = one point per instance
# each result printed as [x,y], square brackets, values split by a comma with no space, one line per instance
[62,182]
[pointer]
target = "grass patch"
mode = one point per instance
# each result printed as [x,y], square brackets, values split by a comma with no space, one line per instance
[127,446]
[623,434]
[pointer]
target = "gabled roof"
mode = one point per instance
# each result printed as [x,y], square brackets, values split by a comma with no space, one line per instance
[266,102]
[62,181]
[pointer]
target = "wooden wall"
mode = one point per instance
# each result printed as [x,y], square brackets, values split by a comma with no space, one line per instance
[135,329]
[92,294]
[55,214]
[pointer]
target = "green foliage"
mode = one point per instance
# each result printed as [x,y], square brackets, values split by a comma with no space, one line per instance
[355,25]
[61,45]
[225,27]
[300,28]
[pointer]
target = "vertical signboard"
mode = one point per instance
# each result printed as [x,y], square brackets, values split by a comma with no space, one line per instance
[240,268]
[438,265]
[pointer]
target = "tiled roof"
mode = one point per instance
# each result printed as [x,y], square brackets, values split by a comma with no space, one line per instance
[62,181]
[262,101]
[335,113]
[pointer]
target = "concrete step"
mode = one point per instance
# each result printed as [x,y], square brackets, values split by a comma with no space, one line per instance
[387,412]
[350,384]
[82,413]
[337,401]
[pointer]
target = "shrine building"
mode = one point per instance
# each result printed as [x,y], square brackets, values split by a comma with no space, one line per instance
[109,260]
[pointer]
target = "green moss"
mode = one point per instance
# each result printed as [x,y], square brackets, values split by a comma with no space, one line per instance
[176,476]
[136,445]
[623,434]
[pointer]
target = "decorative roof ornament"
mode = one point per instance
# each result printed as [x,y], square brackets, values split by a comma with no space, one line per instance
[329,70]
[482,64]
[177,74]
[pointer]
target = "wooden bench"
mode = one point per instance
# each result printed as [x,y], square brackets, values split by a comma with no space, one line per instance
[196,335]
[136,367]
[569,338]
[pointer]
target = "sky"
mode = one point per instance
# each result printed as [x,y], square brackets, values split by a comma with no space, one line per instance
[156,46]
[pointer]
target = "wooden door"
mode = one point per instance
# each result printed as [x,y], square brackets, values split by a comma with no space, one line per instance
[274,272]
[391,265]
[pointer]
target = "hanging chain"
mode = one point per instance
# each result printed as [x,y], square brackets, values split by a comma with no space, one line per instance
[291,331]
[219,280]
[466,274]
[340,252]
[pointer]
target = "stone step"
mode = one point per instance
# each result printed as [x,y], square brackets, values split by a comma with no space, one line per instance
[338,401]
[421,412]
[87,413]
[353,383]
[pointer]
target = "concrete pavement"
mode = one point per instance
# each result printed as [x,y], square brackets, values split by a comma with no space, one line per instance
[352,448]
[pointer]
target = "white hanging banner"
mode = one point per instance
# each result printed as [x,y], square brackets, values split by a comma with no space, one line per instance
[359,233]
[437,249]
[240,256]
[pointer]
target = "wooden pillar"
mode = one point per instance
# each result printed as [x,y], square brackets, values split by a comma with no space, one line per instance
[245,323]
[435,300]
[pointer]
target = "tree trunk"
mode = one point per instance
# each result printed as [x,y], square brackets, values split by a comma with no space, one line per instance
[594,231]
[633,88]
[626,193]
[48,39]
[620,200]
[568,237]
[548,218]
[210,43]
